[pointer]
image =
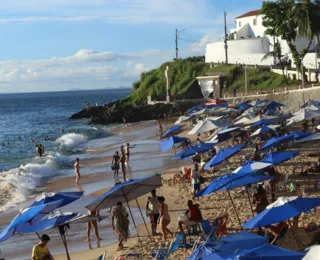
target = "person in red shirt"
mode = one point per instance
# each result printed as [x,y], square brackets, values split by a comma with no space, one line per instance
[275,231]
[194,215]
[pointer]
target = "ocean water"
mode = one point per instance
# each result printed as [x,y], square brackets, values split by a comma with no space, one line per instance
[34,116]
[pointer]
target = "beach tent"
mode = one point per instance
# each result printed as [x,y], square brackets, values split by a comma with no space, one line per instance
[209,125]
[264,129]
[224,155]
[65,197]
[193,150]
[266,252]
[279,157]
[168,143]
[311,138]
[28,216]
[125,192]
[302,115]
[263,122]
[173,130]
[182,119]
[274,142]
[311,102]
[252,167]
[234,243]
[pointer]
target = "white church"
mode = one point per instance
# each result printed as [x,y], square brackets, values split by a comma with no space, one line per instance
[248,44]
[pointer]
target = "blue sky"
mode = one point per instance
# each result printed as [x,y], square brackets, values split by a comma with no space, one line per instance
[65,44]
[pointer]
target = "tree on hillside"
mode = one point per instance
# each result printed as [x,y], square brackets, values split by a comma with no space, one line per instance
[290,19]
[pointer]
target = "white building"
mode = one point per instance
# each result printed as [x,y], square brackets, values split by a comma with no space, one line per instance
[248,44]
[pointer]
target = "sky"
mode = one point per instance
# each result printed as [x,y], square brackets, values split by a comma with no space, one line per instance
[56,45]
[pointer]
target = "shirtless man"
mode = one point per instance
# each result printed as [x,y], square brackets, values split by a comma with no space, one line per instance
[159,128]
[115,166]
[76,167]
[128,147]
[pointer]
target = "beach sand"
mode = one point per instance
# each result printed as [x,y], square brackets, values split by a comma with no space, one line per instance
[147,159]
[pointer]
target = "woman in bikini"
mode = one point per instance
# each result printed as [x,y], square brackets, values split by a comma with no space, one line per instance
[116,166]
[164,219]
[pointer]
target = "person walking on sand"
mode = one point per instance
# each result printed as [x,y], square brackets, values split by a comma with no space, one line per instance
[195,179]
[297,192]
[120,223]
[152,211]
[160,128]
[93,224]
[128,147]
[115,166]
[164,219]
[124,122]
[123,166]
[76,167]
[41,251]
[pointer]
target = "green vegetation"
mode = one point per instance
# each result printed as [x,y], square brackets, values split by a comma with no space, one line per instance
[184,72]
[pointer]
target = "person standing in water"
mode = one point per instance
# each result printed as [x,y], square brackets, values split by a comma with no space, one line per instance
[124,122]
[123,166]
[160,128]
[115,166]
[76,167]
[128,147]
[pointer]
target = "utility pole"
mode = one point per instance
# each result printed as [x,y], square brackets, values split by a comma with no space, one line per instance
[225,37]
[177,38]
[246,78]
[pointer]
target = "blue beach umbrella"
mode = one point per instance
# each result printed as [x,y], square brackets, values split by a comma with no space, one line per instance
[264,129]
[267,252]
[279,157]
[232,181]
[311,138]
[282,209]
[173,130]
[300,135]
[65,197]
[193,150]
[29,215]
[166,144]
[274,142]
[274,105]
[224,155]
[250,167]
[264,122]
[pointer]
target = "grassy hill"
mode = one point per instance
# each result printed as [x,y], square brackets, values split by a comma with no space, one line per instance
[184,72]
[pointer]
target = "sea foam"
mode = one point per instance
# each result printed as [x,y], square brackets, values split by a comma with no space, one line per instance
[70,141]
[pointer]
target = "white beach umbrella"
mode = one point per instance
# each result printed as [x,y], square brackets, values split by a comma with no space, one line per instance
[302,115]
[196,127]
[313,108]
[209,125]
[252,166]
[182,119]
[264,129]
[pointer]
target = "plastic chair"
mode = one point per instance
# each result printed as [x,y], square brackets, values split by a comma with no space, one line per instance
[209,233]
[164,252]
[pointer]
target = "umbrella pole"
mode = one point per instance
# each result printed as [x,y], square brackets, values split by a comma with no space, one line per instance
[38,235]
[64,241]
[134,223]
[234,207]
[249,198]
[144,221]
[294,234]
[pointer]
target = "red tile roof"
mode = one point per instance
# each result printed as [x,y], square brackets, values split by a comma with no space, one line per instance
[251,13]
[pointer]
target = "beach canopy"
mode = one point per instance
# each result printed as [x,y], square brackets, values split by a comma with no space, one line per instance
[232,181]
[266,252]
[166,144]
[182,119]
[125,192]
[311,102]
[56,220]
[224,155]
[230,244]
[264,129]
[279,157]
[263,122]
[302,115]
[173,130]
[28,216]
[209,125]
[66,197]
[282,209]
[274,142]
[193,150]
[252,167]
[313,137]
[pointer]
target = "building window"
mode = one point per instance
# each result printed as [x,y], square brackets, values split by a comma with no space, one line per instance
[240,24]
[255,21]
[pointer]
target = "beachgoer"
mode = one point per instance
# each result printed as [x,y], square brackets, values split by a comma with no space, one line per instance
[123,166]
[120,223]
[199,141]
[195,179]
[160,128]
[122,150]
[194,216]
[152,211]
[116,166]
[76,167]
[275,231]
[93,224]
[41,251]
[124,122]
[42,149]
[297,192]
[128,147]
[260,199]
[164,219]
[46,138]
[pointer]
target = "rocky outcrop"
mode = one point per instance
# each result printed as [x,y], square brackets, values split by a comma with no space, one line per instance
[114,113]
[89,112]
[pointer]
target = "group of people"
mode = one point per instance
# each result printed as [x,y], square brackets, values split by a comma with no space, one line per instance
[122,160]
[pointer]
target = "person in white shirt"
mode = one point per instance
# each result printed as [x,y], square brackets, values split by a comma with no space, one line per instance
[195,179]
[152,211]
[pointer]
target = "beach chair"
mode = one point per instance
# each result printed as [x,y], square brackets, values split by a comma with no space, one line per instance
[282,234]
[103,257]
[209,233]
[163,252]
